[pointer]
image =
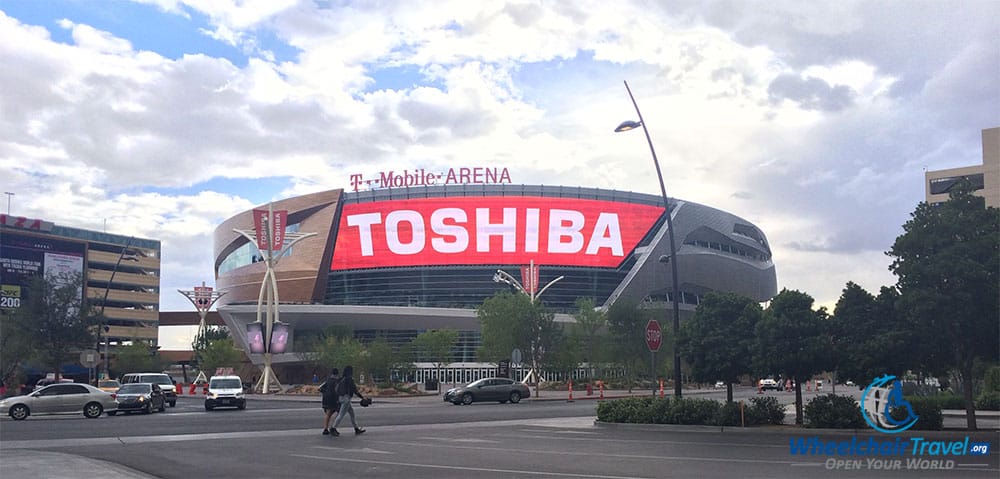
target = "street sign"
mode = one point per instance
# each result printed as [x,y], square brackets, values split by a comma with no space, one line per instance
[515,356]
[503,368]
[654,336]
[89,358]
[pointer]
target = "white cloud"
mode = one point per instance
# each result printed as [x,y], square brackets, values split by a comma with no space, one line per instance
[811,120]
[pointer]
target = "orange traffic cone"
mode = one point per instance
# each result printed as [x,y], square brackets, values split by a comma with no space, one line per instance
[570,392]
[602,390]
[759,389]
[808,386]
[204,389]
[661,388]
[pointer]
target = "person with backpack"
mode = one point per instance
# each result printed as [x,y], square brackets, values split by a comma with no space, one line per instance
[345,390]
[331,402]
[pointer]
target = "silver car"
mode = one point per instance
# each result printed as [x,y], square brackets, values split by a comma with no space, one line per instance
[60,398]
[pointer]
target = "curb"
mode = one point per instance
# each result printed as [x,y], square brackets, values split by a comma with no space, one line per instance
[790,429]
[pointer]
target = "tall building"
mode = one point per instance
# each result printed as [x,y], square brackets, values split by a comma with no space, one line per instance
[985,177]
[122,273]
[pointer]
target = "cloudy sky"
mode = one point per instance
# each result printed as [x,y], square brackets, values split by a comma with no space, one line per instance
[813,120]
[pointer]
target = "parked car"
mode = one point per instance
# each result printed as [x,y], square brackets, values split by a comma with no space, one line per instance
[225,391]
[144,397]
[161,379]
[109,385]
[60,398]
[769,383]
[488,389]
[46,381]
[720,385]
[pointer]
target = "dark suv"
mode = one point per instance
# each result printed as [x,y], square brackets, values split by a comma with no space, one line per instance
[160,379]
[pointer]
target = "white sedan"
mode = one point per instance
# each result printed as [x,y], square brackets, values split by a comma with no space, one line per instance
[60,398]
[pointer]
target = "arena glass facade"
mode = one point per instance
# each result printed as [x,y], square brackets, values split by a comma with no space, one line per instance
[395,262]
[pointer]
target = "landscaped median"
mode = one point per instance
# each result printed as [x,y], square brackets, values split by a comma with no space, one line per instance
[827,411]
[654,410]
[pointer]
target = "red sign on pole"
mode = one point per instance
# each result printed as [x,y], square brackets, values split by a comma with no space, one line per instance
[529,278]
[654,336]
[278,229]
[202,297]
[270,231]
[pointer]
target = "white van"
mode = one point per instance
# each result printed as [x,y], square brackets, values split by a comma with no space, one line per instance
[225,391]
[163,380]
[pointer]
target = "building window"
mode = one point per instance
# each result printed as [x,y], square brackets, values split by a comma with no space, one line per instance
[941,186]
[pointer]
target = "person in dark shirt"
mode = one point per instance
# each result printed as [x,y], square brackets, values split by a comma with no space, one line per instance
[331,402]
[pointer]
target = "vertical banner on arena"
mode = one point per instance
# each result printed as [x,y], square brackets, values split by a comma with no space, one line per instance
[262,229]
[279,219]
[270,231]
[529,278]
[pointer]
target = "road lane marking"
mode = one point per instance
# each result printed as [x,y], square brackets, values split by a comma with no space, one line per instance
[354,449]
[455,439]
[514,472]
[597,454]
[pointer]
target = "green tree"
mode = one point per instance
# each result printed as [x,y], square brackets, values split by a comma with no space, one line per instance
[627,327]
[511,321]
[56,318]
[210,333]
[719,338]
[589,322]
[136,357]
[565,355]
[219,353]
[435,347]
[947,266]
[334,348]
[870,337]
[204,338]
[379,359]
[792,339]
[15,347]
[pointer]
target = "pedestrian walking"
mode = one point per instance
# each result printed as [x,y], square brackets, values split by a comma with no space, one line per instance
[347,389]
[331,402]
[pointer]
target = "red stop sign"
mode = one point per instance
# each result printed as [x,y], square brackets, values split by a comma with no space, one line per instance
[653,335]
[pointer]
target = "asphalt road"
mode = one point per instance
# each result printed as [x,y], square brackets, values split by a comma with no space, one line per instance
[427,438]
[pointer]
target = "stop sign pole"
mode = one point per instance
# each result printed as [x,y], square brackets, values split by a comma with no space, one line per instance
[654,337]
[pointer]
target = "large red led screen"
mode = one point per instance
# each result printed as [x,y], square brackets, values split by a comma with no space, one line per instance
[490,230]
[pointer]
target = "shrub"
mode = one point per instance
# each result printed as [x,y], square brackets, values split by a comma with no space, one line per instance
[992,379]
[835,412]
[764,410]
[988,401]
[640,410]
[693,411]
[943,400]
[928,410]
[728,415]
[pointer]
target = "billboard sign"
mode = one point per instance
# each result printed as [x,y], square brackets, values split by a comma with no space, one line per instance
[490,230]
[25,256]
[255,337]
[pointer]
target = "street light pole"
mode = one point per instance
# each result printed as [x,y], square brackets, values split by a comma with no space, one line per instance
[104,303]
[629,125]
[9,194]
[528,289]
